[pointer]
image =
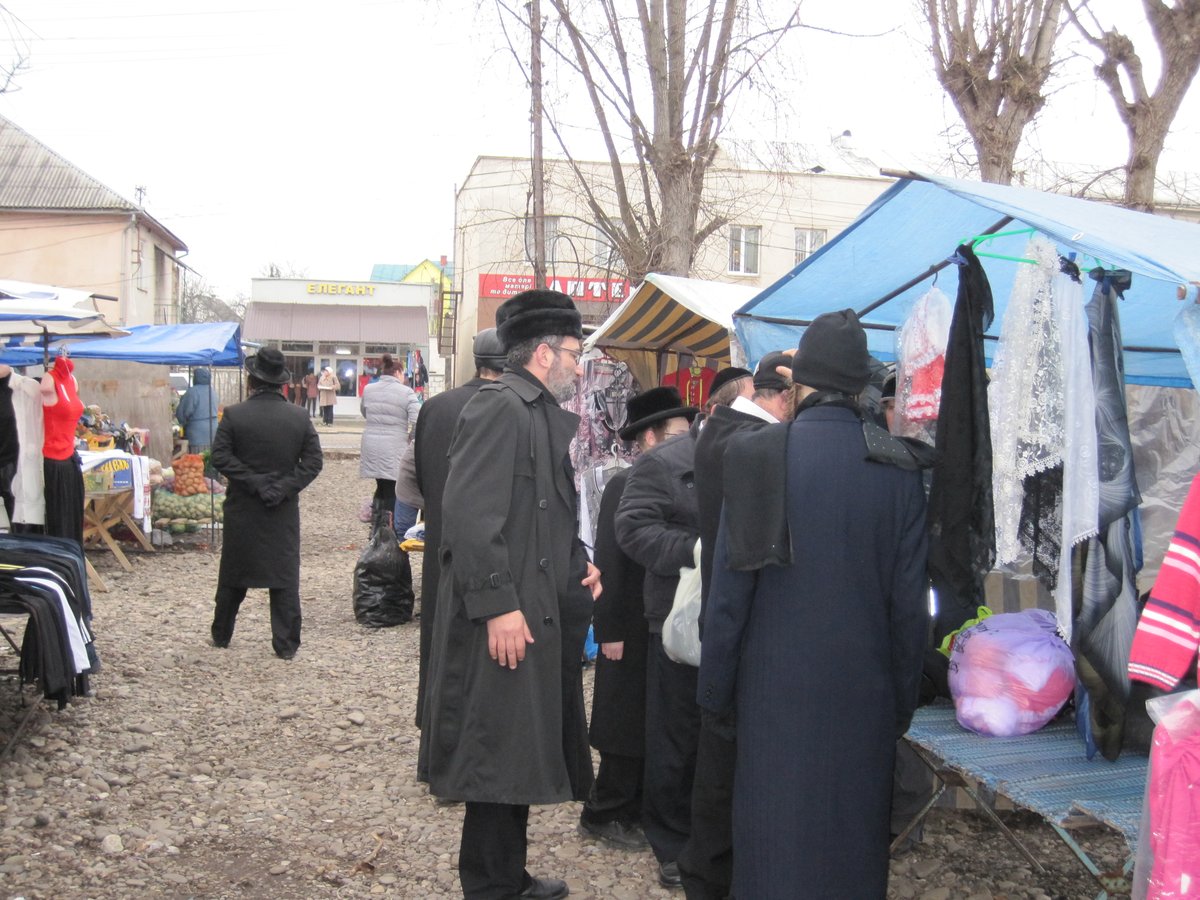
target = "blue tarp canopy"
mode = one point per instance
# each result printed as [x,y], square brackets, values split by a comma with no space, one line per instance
[207,344]
[891,251]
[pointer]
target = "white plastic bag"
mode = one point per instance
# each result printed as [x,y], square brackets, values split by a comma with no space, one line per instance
[681,628]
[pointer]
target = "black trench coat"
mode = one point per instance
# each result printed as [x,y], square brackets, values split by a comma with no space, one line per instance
[821,659]
[619,693]
[261,441]
[509,525]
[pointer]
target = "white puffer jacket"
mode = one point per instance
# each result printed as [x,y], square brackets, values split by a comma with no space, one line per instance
[391,409]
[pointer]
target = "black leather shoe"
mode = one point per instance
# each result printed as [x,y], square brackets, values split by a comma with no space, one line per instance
[668,875]
[545,889]
[618,833]
[291,655]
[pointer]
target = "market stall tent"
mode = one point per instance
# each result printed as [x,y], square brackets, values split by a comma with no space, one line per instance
[668,314]
[206,344]
[891,254]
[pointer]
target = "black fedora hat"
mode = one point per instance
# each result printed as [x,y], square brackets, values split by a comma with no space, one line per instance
[651,407]
[268,366]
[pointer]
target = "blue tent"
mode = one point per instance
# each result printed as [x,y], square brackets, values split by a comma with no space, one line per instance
[207,344]
[890,255]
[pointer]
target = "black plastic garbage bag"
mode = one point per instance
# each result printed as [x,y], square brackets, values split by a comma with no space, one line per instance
[383,588]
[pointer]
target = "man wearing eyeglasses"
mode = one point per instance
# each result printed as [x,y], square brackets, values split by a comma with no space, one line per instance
[504,711]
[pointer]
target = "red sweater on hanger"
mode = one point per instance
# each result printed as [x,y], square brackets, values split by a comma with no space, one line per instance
[60,419]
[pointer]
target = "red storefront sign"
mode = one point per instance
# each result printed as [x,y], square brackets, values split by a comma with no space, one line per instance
[603,290]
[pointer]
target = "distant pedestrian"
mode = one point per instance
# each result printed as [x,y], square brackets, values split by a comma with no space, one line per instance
[327,391]
[310,394]
[197,412]
[269,451]
[390,407]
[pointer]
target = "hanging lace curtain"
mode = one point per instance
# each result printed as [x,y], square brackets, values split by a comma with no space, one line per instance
[921,363]
[1026,396]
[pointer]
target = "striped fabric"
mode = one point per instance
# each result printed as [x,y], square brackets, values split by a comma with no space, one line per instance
[1168,633]
[657,321]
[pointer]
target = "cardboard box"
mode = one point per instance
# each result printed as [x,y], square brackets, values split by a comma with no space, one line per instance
[110,475]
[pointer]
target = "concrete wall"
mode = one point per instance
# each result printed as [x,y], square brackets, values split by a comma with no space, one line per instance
[105,253]
[131,392]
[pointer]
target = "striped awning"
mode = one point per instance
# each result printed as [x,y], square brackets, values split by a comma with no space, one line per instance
[671,313]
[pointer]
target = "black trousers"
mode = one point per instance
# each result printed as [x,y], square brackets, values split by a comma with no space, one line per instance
[617,791]
[706,863]
[64,497]
[672,735]
[327,415]
[285,616]
[491,857]
[310,404]
[385,492]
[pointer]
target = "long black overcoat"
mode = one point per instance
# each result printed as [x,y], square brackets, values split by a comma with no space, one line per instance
[509,542]
[821,658]
[263,442]
[619,693]
[431,460]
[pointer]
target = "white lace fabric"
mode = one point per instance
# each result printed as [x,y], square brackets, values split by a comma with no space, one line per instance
[1026,395]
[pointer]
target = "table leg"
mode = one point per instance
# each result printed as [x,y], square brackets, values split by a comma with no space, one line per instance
[94,579]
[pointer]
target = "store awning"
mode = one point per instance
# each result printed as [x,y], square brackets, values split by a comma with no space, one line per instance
[333,323]
[672,313]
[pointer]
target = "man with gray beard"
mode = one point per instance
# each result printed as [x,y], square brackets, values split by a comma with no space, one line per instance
[504,714]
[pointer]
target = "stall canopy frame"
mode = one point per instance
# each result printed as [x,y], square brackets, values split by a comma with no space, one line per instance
[891,254]
[668,313]
[206,344]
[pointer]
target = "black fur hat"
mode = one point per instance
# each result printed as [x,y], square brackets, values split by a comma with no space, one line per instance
[532,314]
[651,407]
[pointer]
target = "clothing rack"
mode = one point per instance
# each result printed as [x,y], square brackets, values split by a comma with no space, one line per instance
[43,578]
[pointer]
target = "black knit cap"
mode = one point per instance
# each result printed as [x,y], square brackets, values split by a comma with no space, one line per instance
[488,351]
[833,354]
[537,313]
[651,407]
[725,376]
[765,376]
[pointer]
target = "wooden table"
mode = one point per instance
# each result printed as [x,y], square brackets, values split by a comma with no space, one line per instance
[103,511]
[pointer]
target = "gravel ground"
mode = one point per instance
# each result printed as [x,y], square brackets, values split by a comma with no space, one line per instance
[198,772]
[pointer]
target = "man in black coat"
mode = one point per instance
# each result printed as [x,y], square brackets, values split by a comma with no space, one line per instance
[504,716]
[658,526]
[613,811]
[815,629]
[270,452]
[431,458]
[706,862]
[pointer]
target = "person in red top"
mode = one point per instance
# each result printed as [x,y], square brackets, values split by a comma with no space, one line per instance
[61,409]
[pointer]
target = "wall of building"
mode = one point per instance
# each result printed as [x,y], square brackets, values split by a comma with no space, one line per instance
[96,253]
[491,208]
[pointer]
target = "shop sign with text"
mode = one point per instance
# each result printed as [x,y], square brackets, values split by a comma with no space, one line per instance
[603,290]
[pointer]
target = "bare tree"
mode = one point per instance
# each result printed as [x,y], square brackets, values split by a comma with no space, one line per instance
[993,58]
[1147,114]
[15,31]
[659,130]
[198,302]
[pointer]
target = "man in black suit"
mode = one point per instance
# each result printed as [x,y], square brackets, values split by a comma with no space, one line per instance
[270,452]
[613,810]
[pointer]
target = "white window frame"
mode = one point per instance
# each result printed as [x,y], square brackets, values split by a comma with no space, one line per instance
[604,254]
[809,241]
[745,244]
[552,229]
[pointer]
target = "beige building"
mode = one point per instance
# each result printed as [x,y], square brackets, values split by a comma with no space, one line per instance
[776,219]
[60,226]
[346,325]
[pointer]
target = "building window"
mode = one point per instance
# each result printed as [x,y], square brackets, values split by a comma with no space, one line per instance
[604,254]
[743,248]
[380,349]
[551,226]
[808,242]
[297,346]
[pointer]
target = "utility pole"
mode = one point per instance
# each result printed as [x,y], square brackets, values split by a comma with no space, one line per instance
[535,115]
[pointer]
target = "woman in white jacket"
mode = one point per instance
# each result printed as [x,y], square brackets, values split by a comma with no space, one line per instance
[390,408]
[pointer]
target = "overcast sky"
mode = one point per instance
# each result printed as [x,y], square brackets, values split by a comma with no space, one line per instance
[327,137]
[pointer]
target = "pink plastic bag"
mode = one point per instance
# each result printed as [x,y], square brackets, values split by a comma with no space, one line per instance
[1010,674]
